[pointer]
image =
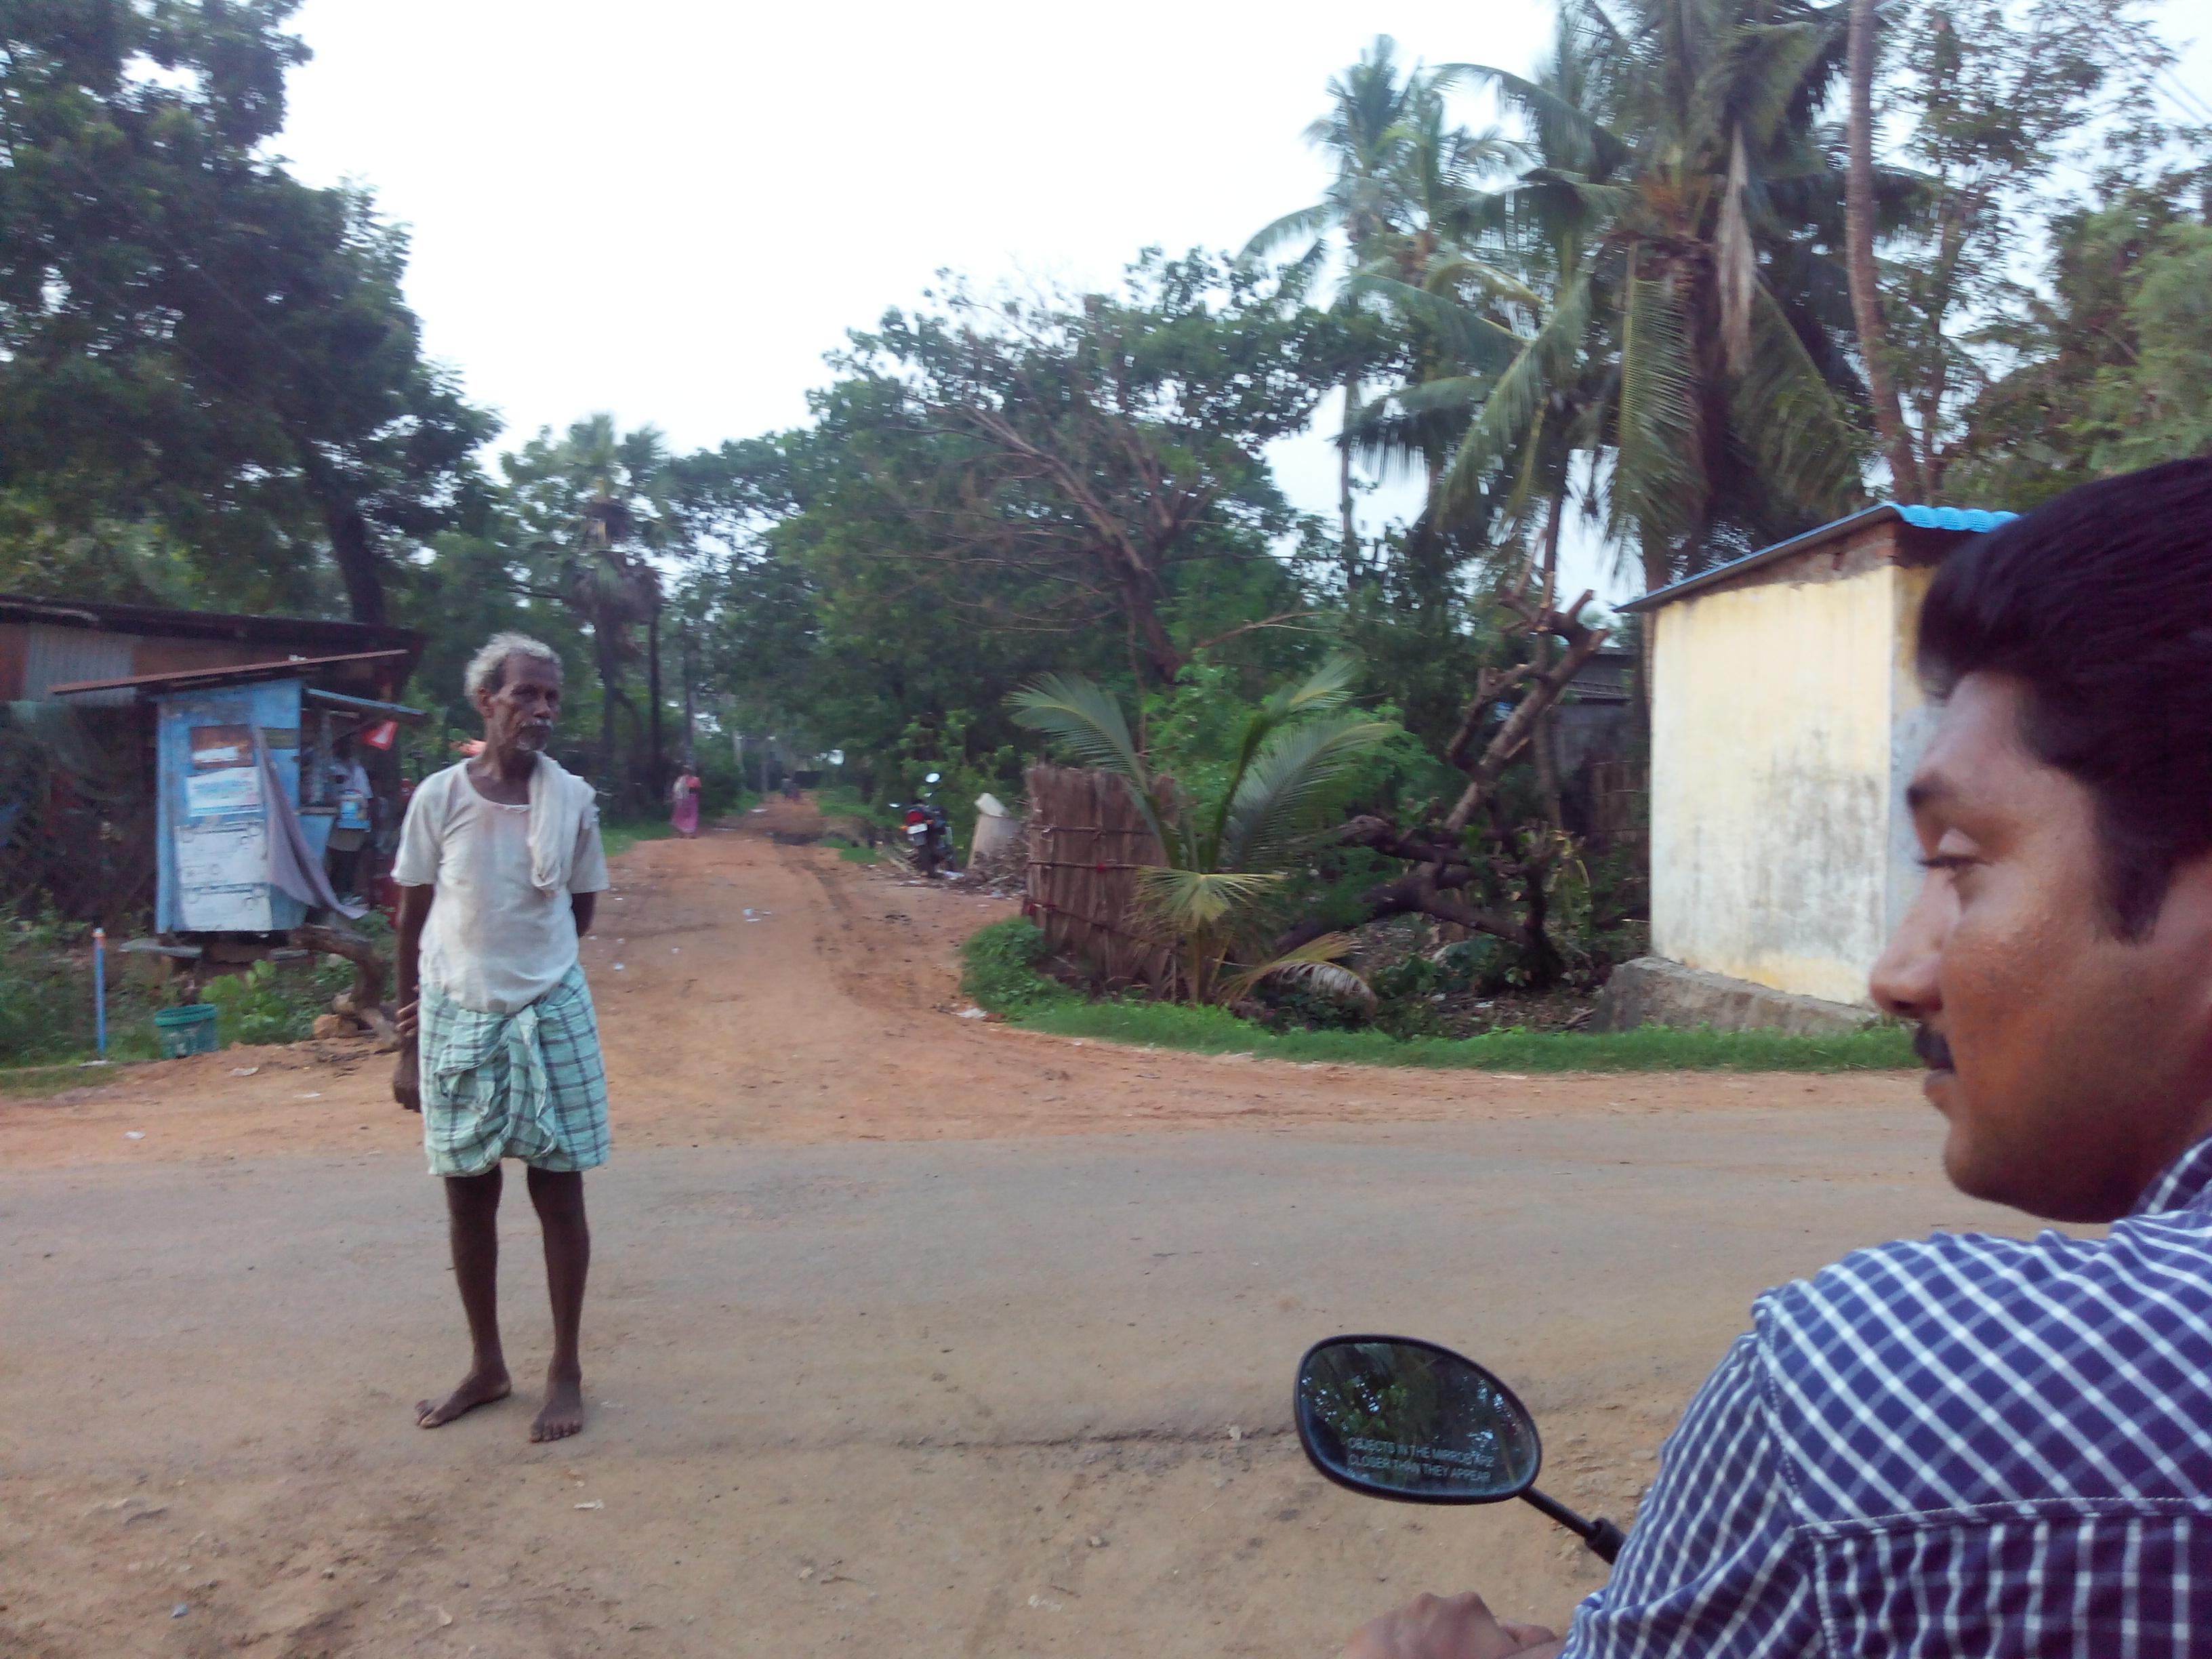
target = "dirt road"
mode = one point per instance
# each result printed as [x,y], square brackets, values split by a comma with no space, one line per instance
[1013,1382]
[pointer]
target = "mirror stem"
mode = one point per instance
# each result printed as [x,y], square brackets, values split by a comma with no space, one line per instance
[1601,1537]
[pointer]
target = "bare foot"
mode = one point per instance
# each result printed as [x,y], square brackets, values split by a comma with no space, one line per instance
[478,1388]
[563,1413]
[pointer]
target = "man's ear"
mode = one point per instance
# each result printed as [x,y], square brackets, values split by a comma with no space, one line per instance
[2185,919]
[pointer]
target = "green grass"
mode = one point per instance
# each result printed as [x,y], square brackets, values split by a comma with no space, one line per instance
[618,835]
[38,1082]
[46,1007]
[858,854]
[1000,975]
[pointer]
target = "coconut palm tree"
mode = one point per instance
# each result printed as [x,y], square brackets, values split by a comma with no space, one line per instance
[1225,857]
[598,502]
[1403,191]
[1680,148]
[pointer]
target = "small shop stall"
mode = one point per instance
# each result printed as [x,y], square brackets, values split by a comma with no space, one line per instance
[249,791]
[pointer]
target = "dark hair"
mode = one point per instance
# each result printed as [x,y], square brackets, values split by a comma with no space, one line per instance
[2101,602]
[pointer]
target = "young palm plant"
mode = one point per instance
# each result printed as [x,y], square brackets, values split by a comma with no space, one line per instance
[1227,858]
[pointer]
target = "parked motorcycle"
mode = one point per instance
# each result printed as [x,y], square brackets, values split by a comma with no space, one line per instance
[1398,1417]
[929,833]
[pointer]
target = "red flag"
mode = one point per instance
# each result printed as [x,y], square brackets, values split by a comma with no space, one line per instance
[379,736]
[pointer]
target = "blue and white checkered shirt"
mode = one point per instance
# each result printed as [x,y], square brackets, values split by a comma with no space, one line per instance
[1970,1447]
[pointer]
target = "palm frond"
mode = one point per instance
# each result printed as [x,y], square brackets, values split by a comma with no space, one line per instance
[1560,125]
[1544,362]
[1757,76]
[1804,444]
[1448,394]
[1468,336]
[1179,903]
[1658,482]
[1317,964]
[1311,223]
[1448,277]
[1276,793]
[1326,688]
[1072,710]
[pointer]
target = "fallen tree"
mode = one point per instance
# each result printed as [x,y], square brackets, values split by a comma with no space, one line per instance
[1465,865]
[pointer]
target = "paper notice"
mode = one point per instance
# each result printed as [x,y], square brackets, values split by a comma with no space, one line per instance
[233,789]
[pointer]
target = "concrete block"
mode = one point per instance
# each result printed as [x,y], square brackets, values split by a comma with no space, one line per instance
[1653,991]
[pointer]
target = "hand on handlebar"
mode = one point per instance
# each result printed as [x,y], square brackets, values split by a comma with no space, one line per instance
[1449,1627]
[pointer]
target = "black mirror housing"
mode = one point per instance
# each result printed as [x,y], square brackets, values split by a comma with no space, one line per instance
[1395,1417]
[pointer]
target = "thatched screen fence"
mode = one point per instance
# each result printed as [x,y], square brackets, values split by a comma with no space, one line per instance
[1087,842]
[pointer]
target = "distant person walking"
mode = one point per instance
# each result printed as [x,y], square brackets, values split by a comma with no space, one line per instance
[683,797]
[499,867]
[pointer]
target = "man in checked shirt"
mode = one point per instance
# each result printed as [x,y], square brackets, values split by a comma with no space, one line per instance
[1973,1446]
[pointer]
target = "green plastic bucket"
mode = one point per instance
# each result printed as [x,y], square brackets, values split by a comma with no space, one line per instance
[187,1031]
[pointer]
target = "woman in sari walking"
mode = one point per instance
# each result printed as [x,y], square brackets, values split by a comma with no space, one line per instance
[683,797]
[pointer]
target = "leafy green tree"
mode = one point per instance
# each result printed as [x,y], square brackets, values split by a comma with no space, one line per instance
[2110,362]
[1991,95]
[1078,464]
[197,351]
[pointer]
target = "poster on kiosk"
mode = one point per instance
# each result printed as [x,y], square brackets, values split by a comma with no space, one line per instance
[215,812]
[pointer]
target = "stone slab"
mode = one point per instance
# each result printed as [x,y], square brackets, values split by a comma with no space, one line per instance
[1654,990]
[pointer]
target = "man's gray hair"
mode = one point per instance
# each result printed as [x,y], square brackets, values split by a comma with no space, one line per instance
[488,668]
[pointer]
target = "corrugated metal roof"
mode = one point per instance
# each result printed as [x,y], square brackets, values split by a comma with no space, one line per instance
[1964,520]
[59,656]
[200,679]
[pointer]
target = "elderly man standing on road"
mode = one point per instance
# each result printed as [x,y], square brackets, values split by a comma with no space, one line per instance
[500,866]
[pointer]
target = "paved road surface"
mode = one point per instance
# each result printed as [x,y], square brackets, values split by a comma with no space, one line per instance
[874,1397]
[892,1314]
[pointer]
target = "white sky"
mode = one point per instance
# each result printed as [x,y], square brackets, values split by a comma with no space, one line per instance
[670,209]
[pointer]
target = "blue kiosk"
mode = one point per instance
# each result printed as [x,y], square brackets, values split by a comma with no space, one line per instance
[249,795]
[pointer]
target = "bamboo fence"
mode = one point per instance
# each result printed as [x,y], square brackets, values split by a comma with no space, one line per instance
[1087,842]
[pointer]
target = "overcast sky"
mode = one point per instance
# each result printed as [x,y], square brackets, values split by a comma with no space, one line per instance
[670,209]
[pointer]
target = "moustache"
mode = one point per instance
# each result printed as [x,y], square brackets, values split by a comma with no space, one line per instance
[1935,1052]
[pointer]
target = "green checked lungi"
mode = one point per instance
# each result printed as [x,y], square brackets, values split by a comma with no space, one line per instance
[527,1085]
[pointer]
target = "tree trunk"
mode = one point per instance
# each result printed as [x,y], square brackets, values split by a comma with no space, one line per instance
[1547,726]
[604,656]
[657,764]
[1350,546]
[1858,238]
[359,564]
[691,703]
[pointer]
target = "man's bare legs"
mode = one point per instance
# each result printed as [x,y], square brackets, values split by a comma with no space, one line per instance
[472,1224]
[559,1197]
[472,1217]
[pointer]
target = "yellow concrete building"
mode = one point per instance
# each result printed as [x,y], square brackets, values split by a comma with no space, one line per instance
[1786,719]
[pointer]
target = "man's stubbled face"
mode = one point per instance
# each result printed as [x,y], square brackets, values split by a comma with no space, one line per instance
[520,712]
[2071,1065]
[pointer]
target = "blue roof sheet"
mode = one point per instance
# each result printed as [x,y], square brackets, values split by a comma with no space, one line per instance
[1955,517]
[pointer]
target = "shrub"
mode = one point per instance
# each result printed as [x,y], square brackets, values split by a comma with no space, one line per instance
[1001,968]
[267,1005]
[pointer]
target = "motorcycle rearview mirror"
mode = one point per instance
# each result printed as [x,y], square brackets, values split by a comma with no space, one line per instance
[1398,1417]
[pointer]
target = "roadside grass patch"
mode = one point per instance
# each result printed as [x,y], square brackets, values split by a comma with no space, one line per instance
[1000,972]
[45,996]
[618,835]
[38,1082]
[1001,975]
